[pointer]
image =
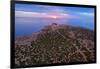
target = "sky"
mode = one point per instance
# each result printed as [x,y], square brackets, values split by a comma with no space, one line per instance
[34,17]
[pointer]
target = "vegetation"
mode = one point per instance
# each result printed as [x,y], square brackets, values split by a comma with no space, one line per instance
[64,45]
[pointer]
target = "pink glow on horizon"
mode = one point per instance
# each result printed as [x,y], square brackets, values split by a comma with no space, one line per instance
[43,15]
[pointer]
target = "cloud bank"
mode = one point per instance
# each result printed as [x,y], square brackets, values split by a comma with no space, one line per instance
[43,15]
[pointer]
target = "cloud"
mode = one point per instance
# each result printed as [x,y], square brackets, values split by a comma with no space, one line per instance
[43,14]
[87,14]
[29,14]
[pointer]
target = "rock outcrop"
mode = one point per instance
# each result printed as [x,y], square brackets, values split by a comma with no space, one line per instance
[55,44]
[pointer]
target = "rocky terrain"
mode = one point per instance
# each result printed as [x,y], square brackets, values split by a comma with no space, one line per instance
[55,44]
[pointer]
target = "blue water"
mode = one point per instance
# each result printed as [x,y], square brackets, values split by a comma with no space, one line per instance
[29,26]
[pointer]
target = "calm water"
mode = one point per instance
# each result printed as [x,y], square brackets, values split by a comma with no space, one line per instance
[28,26]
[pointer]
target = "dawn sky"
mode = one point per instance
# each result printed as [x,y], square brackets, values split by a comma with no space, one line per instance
[41,14]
